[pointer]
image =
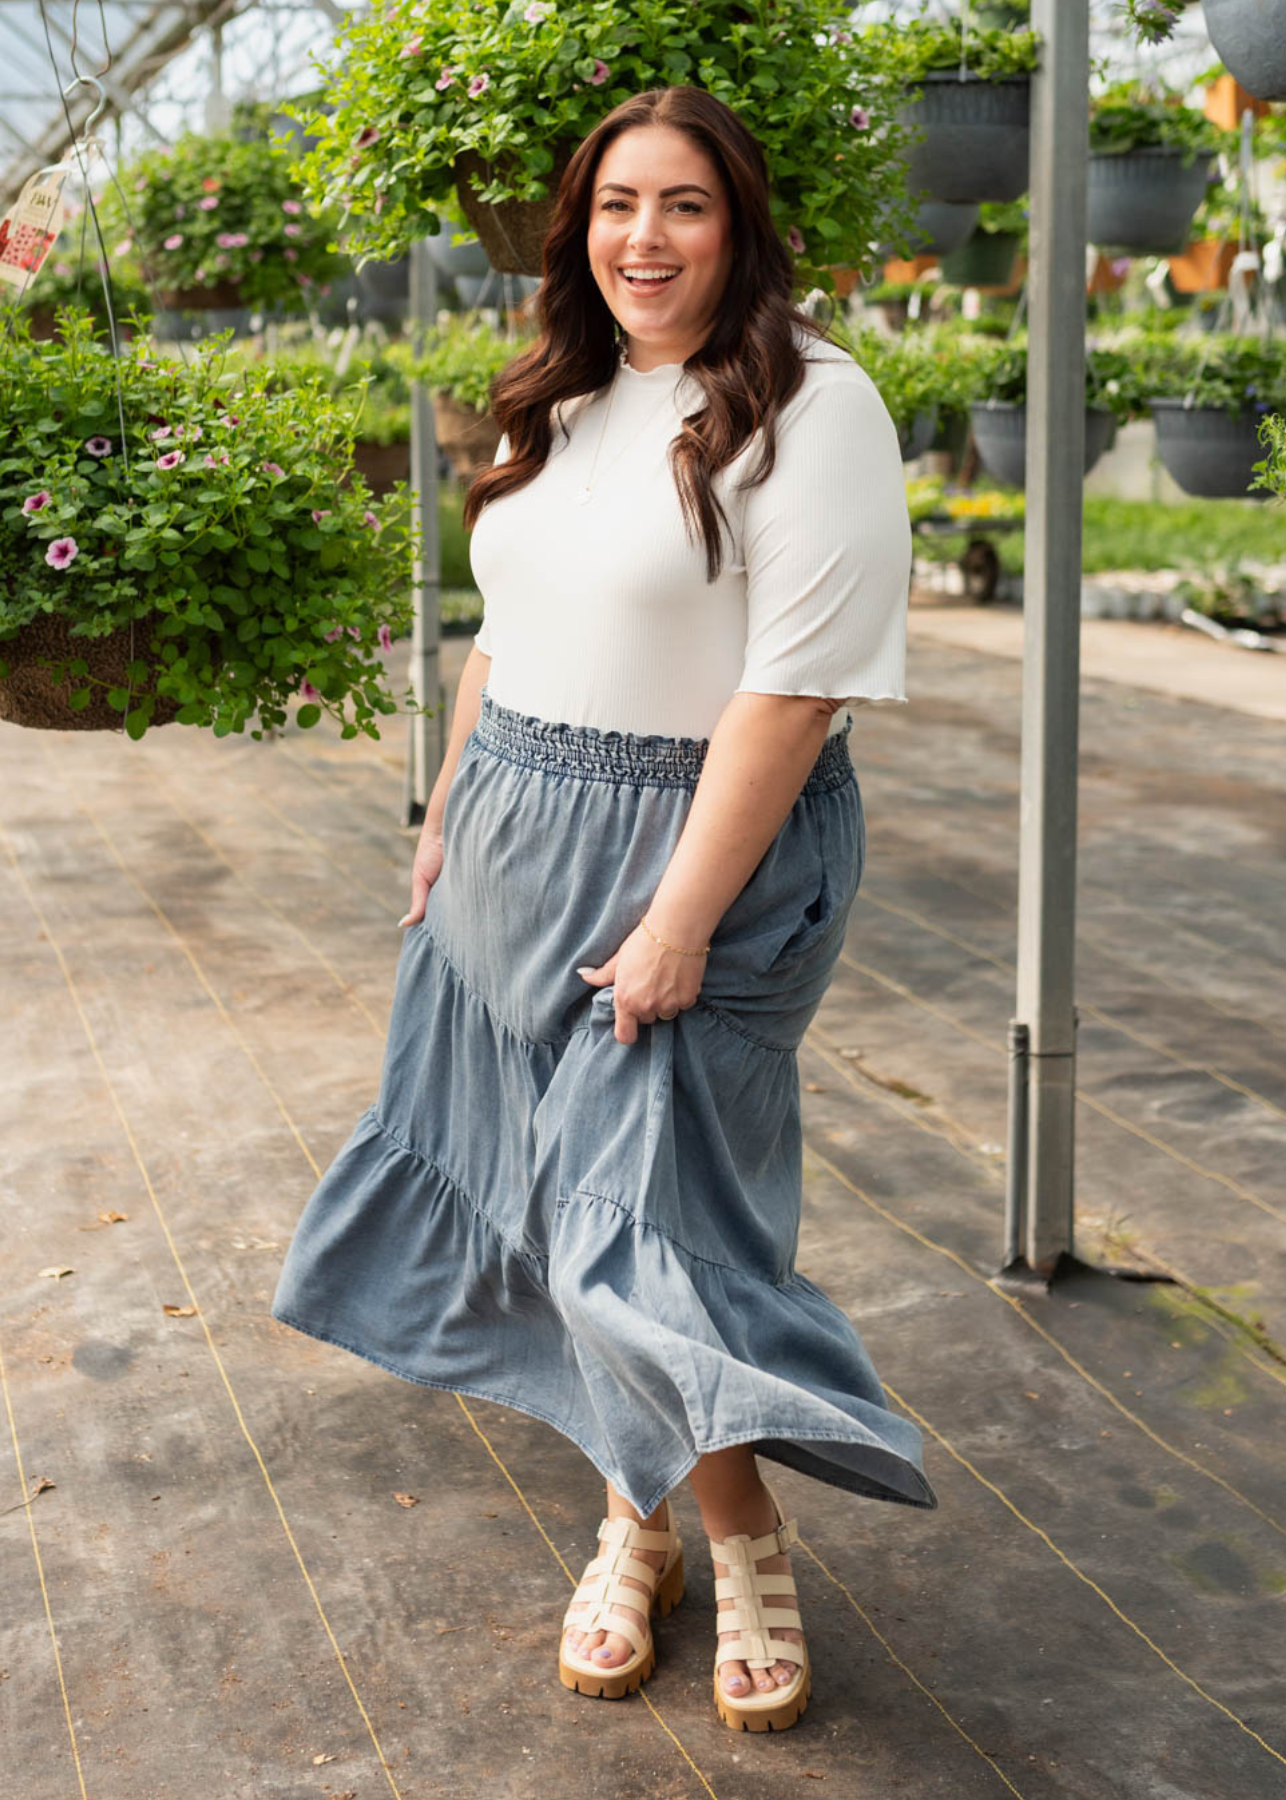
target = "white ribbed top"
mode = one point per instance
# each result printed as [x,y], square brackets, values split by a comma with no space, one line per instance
[600,613]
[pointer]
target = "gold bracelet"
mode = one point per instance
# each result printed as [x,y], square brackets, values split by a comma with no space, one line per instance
[643,922]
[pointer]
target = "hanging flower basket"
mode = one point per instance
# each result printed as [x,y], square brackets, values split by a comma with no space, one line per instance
[985,261]
[1203,267]
[1249,38]
[917,437]
[469,438]
[1143,201]
[978,136]
[943,227]
[382,466]
[1210,452]
[451,260]
[512,232]
[220,296]
[1000,432]
[219,526]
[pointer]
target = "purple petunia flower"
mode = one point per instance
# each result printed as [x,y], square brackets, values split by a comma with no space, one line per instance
[859,118]
[479,85]
[171,460]
[601,72]
[386,639]
[319,515]
[35,503]
[99,446]
[62,552]
[355,631]
[369,518]
[795,238]
[308,691]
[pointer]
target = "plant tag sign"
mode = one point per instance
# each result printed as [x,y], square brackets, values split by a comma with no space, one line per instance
[30,227]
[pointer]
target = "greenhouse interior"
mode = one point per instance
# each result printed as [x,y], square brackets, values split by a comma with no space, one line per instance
[262,266]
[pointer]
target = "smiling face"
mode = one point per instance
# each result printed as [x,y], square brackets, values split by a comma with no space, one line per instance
[660,241]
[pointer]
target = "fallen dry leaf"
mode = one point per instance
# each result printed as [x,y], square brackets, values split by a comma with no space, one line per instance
[55,1273]
[406,1499]
[112,1217]
[814,1087]
[324,1757]
[179,1312]
[1030,1395]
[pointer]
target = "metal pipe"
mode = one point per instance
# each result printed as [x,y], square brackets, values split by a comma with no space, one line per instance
[426,736]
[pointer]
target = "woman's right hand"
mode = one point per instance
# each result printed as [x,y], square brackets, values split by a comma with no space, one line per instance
[425,870]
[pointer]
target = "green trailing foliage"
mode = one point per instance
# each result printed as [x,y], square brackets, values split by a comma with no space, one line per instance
[223,521]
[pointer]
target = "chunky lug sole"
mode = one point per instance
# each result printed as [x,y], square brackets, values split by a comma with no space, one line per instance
[585,1677]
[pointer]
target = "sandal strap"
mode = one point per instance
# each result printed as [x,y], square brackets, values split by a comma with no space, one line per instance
[747,1549]
[759,1651]
[747,1588]
[601,1588]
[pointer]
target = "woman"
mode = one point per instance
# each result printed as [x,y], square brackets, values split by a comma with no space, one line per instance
[578,1193]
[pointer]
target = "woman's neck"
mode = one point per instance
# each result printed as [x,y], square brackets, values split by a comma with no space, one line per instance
[645,357]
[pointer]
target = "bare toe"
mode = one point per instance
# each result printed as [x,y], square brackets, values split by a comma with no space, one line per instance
[735,1678]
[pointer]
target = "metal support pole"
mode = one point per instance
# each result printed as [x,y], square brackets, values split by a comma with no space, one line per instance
[426,745]
[1051,622]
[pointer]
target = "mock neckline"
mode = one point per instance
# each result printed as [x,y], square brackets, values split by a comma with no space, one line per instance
[663,373]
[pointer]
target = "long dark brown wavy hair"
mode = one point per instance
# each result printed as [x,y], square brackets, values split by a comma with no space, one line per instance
[748,367]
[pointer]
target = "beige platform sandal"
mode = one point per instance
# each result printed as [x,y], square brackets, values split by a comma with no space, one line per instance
[601,1587]
[755,1645]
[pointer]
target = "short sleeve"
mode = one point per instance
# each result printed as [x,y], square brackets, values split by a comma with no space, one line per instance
[827,548]
[482,637]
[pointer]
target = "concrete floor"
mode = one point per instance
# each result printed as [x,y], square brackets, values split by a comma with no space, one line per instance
[218,1586]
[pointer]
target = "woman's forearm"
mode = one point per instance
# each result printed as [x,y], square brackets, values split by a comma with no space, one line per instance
[473,679]
[758,760]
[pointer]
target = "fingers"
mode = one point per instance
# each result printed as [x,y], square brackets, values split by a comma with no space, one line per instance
[419,899]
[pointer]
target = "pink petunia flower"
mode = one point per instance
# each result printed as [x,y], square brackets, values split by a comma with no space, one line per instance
[209,203]
[367,135]
[188,431]
[859,118]
[601,72]
[124,247]
[199,276]
[445,79]
[62,552]
[414,47]
[839,36]
[330,636]
[232,240]
[99,446]
[369,518]
[171,460]
[212,461]
[795,238]
[308,691]
[292,230]
[479,85]
[386,639]
[292,206]
[35,503]
[536,12]
[174,240]
[355,631]
[290,255]
[320,514]
[275,469]
[160,434]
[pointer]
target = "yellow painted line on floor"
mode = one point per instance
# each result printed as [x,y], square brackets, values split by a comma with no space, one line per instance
[40,1574]
[910,1673]
[823,1043]
[1080,1575]
[1099,1106]
[128,1130]
[1008,968]
[1017,1305]
[242,1044]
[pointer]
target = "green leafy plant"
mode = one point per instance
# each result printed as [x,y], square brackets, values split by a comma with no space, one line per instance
[72,276]
[914,371]
[991,53]
[219,523]
[1113,381]
[413,90]
[1237,374]
[1234,596]
[214,210]
[1271,472]
[463,359]
[373,386]
[1133,115]
[1009,217]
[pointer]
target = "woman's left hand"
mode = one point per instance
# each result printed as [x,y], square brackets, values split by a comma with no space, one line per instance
[651,982]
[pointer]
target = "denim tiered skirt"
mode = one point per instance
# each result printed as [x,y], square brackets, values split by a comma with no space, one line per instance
[603,1235]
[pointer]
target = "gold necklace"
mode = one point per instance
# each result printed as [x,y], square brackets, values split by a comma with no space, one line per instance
[585,492]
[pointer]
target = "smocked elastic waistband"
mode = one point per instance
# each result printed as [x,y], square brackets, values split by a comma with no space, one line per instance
[625,757]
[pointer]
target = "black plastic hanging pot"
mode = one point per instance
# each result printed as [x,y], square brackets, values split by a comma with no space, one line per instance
[1144,200]
[1210,452]
[977,136]
[1000,432]
[984,260]
[915,438]
[1249,38]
